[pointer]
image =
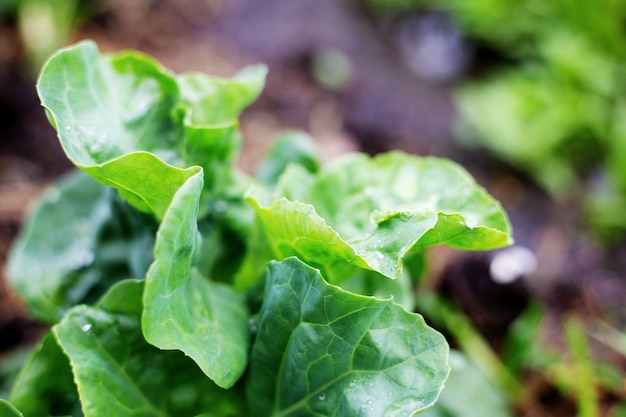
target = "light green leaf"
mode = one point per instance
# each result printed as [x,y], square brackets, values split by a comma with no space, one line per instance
[184,310]
[45,386]
[119,374]
[8,410]
[371,212]
[136,127]
[113,114]
[320,350]
[211,106]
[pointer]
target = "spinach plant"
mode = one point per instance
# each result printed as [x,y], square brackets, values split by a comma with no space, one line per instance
[175,284]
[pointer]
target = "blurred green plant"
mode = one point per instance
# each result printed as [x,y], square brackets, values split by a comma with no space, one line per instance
[554,106]
[45,25]
[557,113]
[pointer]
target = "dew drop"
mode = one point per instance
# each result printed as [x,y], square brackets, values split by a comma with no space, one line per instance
[352,384]
[321,397]
[86,327]
[252,326]
[68,127]
[380,255]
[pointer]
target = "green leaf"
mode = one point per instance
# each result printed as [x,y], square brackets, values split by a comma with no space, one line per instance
[45,386]
[290,147]
[214,100]
[113,114]
[119,374]
[371,212]
[79,239]
[211,106]
[184,310]
[8,410]
[136,127]
[320,350]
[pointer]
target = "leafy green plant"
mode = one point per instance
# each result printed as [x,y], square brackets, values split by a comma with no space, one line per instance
[176,284]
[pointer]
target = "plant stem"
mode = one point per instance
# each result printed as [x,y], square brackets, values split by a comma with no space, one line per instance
[583,384]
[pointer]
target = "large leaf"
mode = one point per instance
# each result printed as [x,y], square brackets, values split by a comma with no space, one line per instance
[79,239]
[371,212]
[320,350]
[119,374]
[184,310]
[126,121]
[109,113]
[45,386]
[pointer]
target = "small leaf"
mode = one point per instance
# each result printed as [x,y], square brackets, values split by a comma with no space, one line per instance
[119,374]
[320,350]
[290,147]
[184,310]
[210,107]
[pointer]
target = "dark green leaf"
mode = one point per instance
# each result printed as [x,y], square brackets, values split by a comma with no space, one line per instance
[119,374]
[45,386]
[8,410]
[322,351]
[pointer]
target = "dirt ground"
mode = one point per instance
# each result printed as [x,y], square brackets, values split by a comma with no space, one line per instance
[385,105]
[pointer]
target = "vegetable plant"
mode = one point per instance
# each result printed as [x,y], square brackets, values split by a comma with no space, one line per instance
[176,284]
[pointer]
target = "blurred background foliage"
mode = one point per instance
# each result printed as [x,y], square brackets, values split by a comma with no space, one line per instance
[46,25]
[553,99]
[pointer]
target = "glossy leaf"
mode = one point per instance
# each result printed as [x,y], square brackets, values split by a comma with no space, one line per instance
[109,112]
[184,310]
[371,212]
[126,121]
[320,350]
[119,374]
